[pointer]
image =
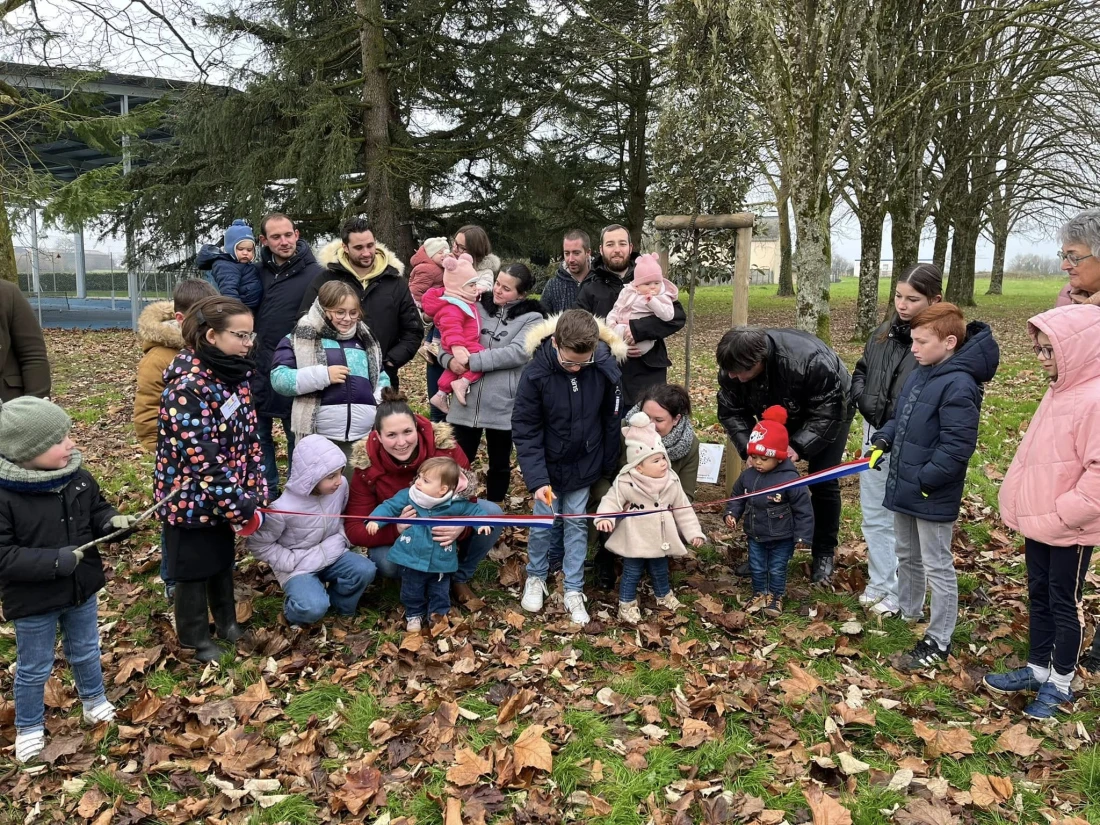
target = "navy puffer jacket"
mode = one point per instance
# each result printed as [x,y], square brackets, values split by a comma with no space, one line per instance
[935,429]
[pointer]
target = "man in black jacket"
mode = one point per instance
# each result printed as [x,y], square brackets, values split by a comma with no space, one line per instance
[377,276]
[612,268]
[287,267]
[760,367]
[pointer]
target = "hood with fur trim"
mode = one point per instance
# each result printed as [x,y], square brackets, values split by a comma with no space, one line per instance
[333,253]
[543,330]
[157,327]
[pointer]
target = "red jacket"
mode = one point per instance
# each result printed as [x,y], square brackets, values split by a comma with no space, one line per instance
[426,274]
[379,477]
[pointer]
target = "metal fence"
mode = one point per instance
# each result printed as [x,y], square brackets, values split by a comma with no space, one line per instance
[153,285]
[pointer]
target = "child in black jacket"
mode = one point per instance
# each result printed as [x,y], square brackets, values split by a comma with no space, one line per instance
[49,507]
[773,522]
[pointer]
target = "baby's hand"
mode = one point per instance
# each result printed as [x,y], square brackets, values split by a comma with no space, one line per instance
[697,541]
[372,527]
[731,521]
[605,525]
[484,531]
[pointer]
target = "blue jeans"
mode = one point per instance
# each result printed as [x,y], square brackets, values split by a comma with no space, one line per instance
[632,574]
[471,550]
[35,642]
[424,593]
[768,562]
[267,446]
[307,600]
[568,536]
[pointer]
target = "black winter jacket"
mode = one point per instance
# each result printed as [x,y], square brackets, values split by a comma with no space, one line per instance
[880,374]
[386,303]
[561,292]
[936,429]
[778,516]
[276,317]
[803,376]
[33,528]
[565,425]
[598,294]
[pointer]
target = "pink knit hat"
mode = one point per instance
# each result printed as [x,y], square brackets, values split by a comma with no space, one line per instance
[642,440]
[460,277]
[647,270]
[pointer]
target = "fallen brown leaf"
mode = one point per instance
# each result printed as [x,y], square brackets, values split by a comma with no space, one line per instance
[532,751]
[989,791]
[468,768]
[1016,740]
[949,742]
[825,809]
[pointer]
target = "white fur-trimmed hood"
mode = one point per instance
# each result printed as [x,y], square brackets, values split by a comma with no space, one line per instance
[545,328]
[333,253]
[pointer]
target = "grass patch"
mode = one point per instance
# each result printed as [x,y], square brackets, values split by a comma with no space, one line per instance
[645,681]
[359,715]
[109,782]
[319,701]
[294,810]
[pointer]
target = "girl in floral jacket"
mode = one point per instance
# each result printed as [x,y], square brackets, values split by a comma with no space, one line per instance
[207,446]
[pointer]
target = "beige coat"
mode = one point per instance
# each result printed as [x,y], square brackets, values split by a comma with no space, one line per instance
[160,337]
[655,534]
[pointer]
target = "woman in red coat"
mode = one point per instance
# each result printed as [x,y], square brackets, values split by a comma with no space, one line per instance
[386,462]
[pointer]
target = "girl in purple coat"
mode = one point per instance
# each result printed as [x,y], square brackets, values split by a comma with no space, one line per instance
[309,553]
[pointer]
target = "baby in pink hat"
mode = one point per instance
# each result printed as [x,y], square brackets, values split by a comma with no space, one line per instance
[650,293]
[455,315]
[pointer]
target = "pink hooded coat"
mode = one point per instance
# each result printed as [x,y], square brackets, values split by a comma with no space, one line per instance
[1052,490]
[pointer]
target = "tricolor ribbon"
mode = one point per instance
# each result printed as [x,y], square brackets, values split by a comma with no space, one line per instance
[546,521]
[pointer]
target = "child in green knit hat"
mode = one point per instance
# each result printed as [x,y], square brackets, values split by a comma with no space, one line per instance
[49,507]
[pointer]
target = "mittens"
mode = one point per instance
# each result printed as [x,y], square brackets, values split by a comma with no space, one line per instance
[250,526]
[67,560]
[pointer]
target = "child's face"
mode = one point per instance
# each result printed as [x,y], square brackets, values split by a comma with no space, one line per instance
[55,458]
[649,290]
[908,302]
[345,317]
[656,466]
[440,255]
[929,349]
[1045,353]
[571,360]
[236,339]
[431,485]
[245,252]
[763,463]
[329,484]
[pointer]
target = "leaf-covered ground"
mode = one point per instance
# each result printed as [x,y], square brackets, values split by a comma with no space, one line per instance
[712,715]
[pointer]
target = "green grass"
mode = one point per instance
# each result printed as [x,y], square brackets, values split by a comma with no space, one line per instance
[109,782]
[359,714]
[294,810]
[647,682]
[319,701]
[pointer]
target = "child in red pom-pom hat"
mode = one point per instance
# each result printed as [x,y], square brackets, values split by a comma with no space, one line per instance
[773,522]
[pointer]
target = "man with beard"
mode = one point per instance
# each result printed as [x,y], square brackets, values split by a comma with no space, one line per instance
[561,292]
[612,268]
[287,267]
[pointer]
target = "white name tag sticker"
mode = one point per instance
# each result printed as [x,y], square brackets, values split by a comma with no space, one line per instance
[231,406]
[710,462]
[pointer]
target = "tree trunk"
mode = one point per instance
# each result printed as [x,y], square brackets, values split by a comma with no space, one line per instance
[812,260]
[943,235]
[8,270]
[870,250]
[904,233]
[638,148]
[999,224]
[379,204]
[786,278]
[960,286]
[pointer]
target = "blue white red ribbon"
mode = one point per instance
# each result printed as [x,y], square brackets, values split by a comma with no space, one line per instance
[543,522]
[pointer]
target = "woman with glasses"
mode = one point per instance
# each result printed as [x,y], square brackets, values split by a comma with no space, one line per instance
[1080,245]
[331,365]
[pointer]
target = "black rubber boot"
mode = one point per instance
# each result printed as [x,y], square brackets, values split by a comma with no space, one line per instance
[219,590]
[605,568]
[192,625]
[822,570]
[1091,662]
[743,570]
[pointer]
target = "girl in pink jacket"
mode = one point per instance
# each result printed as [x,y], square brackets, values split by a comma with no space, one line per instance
[454,311]
[1051,494]
[650,293]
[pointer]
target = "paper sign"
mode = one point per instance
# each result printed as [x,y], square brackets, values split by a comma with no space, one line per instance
[710,462]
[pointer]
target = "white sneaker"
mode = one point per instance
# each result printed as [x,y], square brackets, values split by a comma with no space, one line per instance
[29,745]
[103,711]
[886,608]
[414,624]
[669,601]
[533,593]
[867,598]
[629,612]
[574,603]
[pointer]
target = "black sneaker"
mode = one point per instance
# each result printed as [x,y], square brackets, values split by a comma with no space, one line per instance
[822,570]
[925,655]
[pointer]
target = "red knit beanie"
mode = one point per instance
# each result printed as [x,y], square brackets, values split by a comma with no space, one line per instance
[769,437]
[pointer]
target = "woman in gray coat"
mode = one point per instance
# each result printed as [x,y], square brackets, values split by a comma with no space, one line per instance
[506,314]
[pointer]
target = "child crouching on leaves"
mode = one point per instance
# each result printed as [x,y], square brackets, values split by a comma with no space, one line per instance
[49,507]
[306,546]
[426,565]
[1050,494]
[775,522]
[646,542]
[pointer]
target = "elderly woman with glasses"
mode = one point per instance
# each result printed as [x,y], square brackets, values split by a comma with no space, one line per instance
[1080,254]
[331,365]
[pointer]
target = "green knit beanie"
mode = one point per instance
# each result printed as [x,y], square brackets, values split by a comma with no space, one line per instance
[29,426]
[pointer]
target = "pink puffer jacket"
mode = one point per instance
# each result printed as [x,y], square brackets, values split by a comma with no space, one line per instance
[1052,490]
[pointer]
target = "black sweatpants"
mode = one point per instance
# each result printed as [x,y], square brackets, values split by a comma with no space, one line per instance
[498,444]
[825,496]
[1056,624]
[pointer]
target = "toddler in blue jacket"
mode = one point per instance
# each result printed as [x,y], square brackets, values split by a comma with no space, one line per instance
[233,268]
[426,566]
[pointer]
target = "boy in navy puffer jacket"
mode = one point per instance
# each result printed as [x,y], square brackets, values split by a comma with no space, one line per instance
[233,268]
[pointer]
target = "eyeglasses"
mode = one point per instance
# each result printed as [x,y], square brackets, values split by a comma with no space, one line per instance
[576,364]
[1074,260]
[352,314]
[460,247]
[248,337]
[1043,352]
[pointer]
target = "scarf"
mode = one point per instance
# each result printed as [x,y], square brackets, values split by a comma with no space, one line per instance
[22,480]
[229,369]
[426,502]
[309,351]
[678,441]
[651,488]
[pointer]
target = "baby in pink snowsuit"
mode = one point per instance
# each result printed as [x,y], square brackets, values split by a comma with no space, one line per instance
[454,312]
[650,293]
